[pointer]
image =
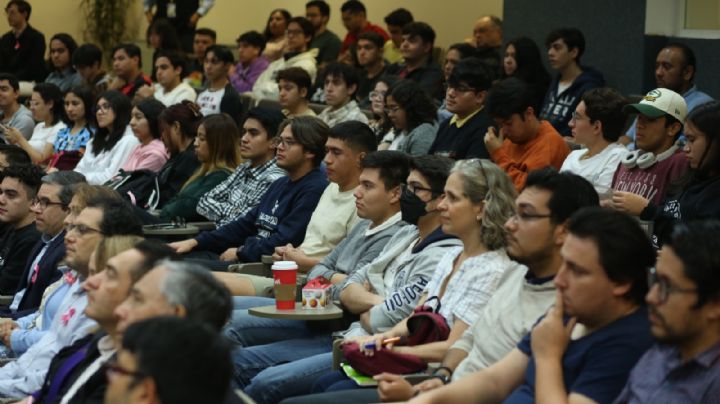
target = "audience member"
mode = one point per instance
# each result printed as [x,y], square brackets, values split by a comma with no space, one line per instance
[22,49]
[565,47]
[275,34]
[461,136]
[487,40]
[644,175]
[46,105]
[244,188]
[294,84]
[284,211]
[341,83]
[523,142]
[18,190]
[251,63]
[12,156]
[87,60]
[217,146]
[395,21]
[220,96]
[72,139]
[412,113]
[169,68]
[149,349]
[150,153]
[12,113]
[379,123]
[161,37]
[127,62]
[675,69]
[596,125]
[454,55]
[325,41]
[522,60]
[297,54]
[183,16]
[601,286]
[113,141]
[417,65]
[354,19]
[203,39]
[683,300]
[370,58]
[62,72]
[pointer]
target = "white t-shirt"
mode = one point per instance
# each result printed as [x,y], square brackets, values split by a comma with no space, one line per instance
[209,101]
[331,221]
[43,134]
[178,94]
[598,169]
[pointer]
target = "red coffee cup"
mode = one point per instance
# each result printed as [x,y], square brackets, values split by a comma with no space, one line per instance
[285,284]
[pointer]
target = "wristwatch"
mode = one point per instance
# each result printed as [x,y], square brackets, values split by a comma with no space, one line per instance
[443,377]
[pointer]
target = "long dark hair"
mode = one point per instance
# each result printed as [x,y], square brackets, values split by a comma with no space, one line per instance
[106,138]
[168,36]
[530,68]
[69,43]
[706,119]
[87,96]
[286,15]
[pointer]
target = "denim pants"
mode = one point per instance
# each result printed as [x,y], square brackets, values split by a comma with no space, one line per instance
[247,330]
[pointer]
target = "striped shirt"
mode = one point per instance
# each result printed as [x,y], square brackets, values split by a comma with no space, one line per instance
[239,193]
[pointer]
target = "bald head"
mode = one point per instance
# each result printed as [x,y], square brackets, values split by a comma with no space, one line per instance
[487,32]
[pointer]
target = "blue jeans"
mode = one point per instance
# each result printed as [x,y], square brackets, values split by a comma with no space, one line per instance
[269,373]
[247,330]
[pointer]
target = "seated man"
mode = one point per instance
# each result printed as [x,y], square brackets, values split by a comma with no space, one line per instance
[242,190]
[127,64]
[251,63]
[487,40]
[417,49]
[644,175]
[565,47]
[51,207]
[297,54]
[284,211]
[149,349]
[354,18]
[169,72]
[11,155]
[220,96]
[341,83]
[325,41]
[294,86]
[601,287]
[18,191]
[523,142]
[684,300]
[22,49]
[395,21]
[87,60]
[12,113]
[203,39]
[370,59]
[461,136]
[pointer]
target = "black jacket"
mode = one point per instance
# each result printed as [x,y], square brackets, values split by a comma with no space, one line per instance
[175,172]
[15,247]
[23,56]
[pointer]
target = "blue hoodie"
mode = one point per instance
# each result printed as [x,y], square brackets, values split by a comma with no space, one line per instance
[558,108]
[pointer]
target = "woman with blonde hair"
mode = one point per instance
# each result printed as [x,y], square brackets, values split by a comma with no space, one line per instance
[109,247]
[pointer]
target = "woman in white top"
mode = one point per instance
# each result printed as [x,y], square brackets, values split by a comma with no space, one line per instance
[597,124]
[46,104]
[274,33]
[479,198]
[113,142]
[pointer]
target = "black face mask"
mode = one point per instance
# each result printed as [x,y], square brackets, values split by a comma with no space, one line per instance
[411,207]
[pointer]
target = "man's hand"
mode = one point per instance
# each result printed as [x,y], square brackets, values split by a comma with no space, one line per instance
[13,135]
[144,92]
[628,202]
[185,246]
[393,387]
[116,84]
[493,140]
[229,255]
[279,253]
[194,19]
[429,384]
[550,338]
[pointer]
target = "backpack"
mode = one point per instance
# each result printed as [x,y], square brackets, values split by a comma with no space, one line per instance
[140,188]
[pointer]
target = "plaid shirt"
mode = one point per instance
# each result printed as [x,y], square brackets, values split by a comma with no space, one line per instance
[235,196]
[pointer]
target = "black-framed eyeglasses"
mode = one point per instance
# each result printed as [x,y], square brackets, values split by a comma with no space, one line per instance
[81,229]
[43,203]
[460,88]
[286,143]
[113,369]
[526,217]
[413,189]
[665,287]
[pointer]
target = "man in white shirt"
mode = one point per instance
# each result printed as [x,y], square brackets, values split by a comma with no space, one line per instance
[220,96]
[169,89]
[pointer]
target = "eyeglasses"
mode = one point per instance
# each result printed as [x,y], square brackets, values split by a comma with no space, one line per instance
[286,143]
[112,370]
[81,229]
[665,288]
[412,189]
[460,88]
[526,217]
[577,117]
[43,203]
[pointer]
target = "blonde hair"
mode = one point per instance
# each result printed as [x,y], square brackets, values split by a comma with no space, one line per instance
[485,182]
[109,247]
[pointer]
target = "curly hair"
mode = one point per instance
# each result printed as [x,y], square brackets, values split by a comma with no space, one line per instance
[414,100]
[485,182]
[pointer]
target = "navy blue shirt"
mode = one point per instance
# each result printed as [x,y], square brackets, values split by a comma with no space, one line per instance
[280,218]
[596,365]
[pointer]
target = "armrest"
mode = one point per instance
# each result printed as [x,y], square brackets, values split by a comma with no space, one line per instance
[203,226]
[337,354]
[250,268]
[6,300]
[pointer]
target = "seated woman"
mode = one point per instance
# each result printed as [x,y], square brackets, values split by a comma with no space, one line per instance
[217,147]
[412,113]
[46,104]
[72,139]
[150,154]
[380,124]
[110,148]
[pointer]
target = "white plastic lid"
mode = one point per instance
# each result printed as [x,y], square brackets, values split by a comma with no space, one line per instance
[284,265]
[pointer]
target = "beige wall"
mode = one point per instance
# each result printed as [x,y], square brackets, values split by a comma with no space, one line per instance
[452,19]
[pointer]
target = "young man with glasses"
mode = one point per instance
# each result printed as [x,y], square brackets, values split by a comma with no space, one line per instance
[284,211]
[522,142]
[684,306]
[461,136]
